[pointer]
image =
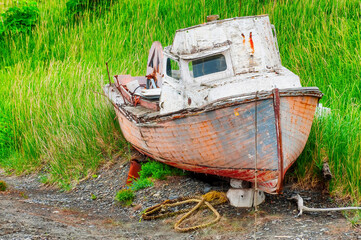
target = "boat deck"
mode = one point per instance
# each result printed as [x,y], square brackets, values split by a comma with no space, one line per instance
[140,111]
[136,112]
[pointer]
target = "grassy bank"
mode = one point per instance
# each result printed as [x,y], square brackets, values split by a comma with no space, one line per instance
[55,122]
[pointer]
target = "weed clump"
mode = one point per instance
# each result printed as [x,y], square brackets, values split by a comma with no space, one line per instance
[125,197]
[151,169]
[3,186]
[93,196]
[21,17]
[141,183]
[158,170]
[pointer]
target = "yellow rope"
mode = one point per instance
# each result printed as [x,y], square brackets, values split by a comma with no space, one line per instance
[202,202]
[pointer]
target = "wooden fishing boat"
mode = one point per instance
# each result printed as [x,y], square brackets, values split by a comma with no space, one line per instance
[218,101]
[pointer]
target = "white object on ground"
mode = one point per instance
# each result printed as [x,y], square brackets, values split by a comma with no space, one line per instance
[302,208]
[237,183]
[244,197]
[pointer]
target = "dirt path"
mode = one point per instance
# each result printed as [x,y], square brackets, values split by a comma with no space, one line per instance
[31,211]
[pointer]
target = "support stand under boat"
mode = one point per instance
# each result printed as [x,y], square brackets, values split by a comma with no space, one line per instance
[242,195]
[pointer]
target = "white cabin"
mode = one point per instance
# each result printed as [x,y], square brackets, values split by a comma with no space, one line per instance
[221,59]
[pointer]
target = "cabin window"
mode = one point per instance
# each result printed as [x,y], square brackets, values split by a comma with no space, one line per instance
[208,65]
[173,69]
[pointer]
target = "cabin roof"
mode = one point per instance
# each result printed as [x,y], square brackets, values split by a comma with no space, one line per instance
[221,21]
[250,41]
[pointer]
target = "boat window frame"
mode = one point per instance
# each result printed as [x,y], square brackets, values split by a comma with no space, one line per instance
[228,72]
[218,57]
[179,65]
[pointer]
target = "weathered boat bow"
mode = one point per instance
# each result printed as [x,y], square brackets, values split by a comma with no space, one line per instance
[218,101]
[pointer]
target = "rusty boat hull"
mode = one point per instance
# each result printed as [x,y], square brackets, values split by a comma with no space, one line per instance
[252,137]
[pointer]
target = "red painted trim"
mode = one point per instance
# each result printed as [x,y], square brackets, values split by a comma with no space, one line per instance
[276,106]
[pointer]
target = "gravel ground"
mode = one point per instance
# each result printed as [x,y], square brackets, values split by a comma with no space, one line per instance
[30,210]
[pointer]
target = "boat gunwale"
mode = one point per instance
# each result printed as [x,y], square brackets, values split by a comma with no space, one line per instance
[145,121]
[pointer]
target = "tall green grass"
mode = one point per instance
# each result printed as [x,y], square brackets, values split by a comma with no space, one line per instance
[59,125]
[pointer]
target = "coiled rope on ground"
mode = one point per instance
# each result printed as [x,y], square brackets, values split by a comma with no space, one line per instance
[209,200]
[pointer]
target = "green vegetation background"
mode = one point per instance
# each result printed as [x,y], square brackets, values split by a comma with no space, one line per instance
[52,118]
